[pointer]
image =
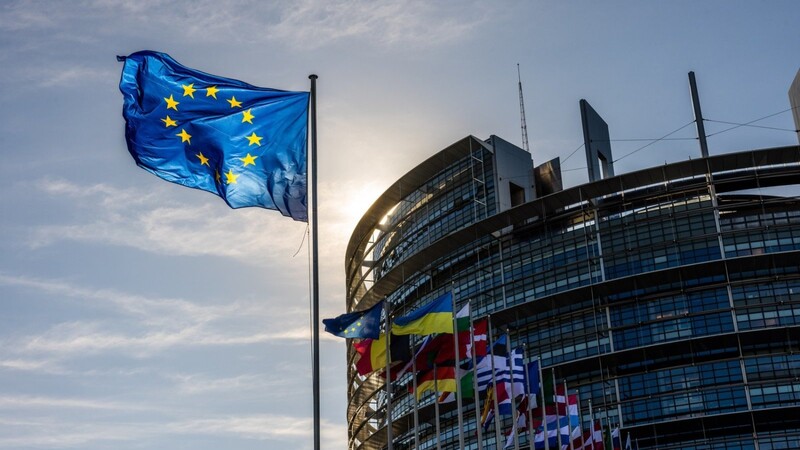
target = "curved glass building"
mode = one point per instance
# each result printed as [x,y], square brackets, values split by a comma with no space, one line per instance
[669,297]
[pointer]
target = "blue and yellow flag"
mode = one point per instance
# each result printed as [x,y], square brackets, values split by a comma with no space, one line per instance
[244,143]
[435,317]
[357,324]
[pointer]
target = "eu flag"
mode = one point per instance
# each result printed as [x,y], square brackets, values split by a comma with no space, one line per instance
[246,144]
[357,324]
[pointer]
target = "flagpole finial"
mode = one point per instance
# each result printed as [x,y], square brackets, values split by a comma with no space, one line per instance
[312,77]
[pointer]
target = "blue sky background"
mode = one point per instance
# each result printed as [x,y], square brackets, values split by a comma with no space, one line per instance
[138,314]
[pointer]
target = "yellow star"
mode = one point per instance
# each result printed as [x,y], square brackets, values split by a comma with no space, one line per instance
[185,137]
[230,177]
[171,103]
[358,324]
[212,91]
[254,139]
[217,175]
[248,117]
[188,89]
[235,103]
[168,122]
[249,160]
[203,159]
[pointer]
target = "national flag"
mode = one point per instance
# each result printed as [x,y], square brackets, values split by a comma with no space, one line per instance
[435,317]
[358,324]
[497,362]
[466,385]
[548,393]
[616,443]
[244,143]
[517,372]
[533,384]
[479,335]
[498,355]
[373,353]
[597,437]
[593,438]
[576,437]
[487,416]
[462,319]
[442,379]
[522,423]
[440,350]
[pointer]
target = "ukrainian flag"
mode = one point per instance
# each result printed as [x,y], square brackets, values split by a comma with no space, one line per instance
[435,317]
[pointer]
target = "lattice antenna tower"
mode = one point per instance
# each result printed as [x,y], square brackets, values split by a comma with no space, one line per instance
[523,125]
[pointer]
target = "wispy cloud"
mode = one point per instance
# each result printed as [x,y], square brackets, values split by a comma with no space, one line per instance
[38,402]
[149,221]
[300,24]
[71,76]
[71,431]
[194,384]
[161,323]
[313,23]
[78,430]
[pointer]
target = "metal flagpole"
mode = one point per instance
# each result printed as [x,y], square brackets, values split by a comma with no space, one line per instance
[529,424]
[436,406]
[314,263]
[580,419]
[388,328]
[514,412]
[457,371]
[544,407]
[416,399]
[497,433]
[475,392]
[558,419]
[569,420]
[591,421]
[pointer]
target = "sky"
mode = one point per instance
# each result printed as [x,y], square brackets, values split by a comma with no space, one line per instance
[139,314]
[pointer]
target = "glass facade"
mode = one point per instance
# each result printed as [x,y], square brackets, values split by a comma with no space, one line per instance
[669,299]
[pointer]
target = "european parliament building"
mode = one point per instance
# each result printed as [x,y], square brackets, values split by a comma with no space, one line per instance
[668,296]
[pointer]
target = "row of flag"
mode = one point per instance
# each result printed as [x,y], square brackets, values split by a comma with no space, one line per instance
[454,358]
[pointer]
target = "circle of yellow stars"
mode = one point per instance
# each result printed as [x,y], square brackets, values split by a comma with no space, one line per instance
[352,328]
[186,138]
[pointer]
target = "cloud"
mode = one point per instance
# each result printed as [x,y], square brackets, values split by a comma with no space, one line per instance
[304,24]
[152,222]
[37,402]
[314,23]
[161,323]
[69,432]
[194,384]
[261,427]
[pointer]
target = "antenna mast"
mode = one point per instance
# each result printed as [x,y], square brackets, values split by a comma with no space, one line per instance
[523,126]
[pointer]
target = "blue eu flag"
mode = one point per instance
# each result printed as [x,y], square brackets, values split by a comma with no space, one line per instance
[358,324]
[244,143]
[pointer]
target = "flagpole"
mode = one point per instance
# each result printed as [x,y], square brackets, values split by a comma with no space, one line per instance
[591,421]
[416,399]
[389,437]
[314,262]
[456,369]
[558,418]
[497,433]
[475,391]
[544,407]
[528,415]
[436,406]
[514,412]
[580,419]
[569,418]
